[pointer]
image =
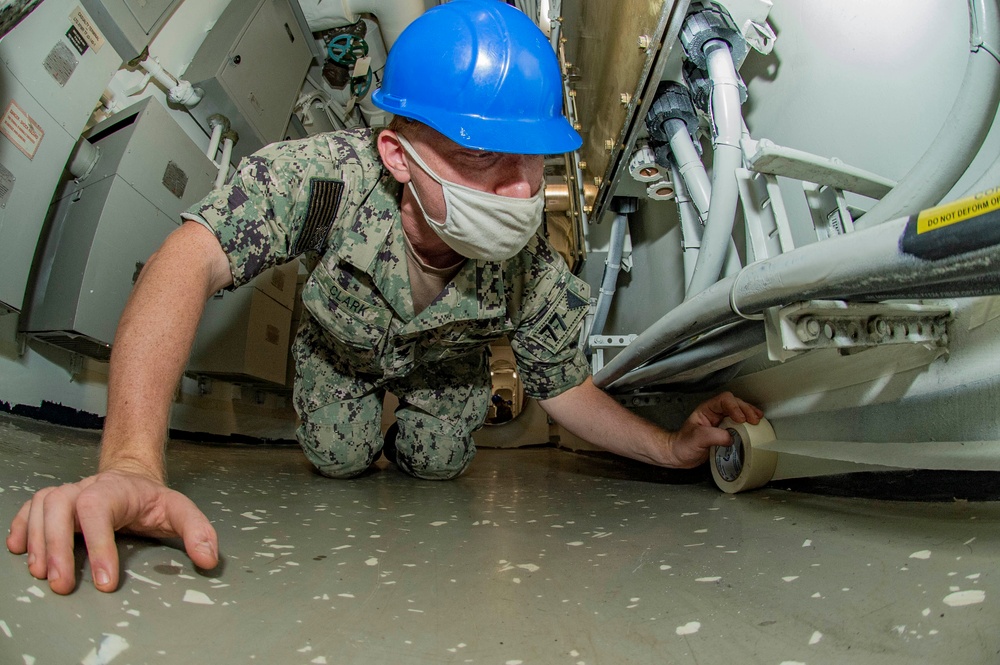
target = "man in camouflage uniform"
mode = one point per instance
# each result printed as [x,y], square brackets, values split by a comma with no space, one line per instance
[362,334]
[425,250]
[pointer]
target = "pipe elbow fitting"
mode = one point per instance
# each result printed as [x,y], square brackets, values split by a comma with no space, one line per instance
[673,102]
[705,25]
[219,120]
[185,94]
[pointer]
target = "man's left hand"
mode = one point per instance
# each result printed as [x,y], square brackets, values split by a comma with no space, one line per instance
[689,447]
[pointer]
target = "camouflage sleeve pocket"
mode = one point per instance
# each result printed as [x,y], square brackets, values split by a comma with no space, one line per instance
[559,324]
[547,349]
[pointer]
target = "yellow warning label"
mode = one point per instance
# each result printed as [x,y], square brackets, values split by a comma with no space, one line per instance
[958,211]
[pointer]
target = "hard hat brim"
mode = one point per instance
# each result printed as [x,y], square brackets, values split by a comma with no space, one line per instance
[549,136]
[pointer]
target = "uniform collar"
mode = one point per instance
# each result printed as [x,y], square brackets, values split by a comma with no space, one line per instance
[371,230]
[476,292]
[374,244]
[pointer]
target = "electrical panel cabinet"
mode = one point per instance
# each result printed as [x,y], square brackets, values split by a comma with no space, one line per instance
[26,186]
[130,24]
[98,245]
[103,229]
[50,81]
[251,67]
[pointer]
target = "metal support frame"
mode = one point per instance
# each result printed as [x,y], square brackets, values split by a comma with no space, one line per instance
[834,324]
[598,343]
[578,210]
[829,211]
[639,400]
[769,231]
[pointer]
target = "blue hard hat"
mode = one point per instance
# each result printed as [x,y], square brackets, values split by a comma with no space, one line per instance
[481,73]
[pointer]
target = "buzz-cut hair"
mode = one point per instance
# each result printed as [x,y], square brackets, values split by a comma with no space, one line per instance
[400,122]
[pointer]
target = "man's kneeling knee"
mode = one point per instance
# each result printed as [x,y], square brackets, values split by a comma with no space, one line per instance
[439,460]
[339,452]
[434,470]
[342,471]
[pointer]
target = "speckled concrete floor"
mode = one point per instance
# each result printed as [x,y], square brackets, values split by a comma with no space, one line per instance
[534,556]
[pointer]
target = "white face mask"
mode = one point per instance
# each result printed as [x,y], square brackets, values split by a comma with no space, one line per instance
[480,225]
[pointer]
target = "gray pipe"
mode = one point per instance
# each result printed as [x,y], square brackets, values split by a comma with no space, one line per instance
[856,264]
[690,224]
[689,166]
[730,343]
[962,135]
[989,180]
[611,268]
[728,157]
[705,311]
[692,185]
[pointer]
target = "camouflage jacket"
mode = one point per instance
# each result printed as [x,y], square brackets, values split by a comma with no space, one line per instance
[328,196]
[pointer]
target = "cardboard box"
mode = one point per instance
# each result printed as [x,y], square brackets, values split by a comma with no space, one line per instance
[244,337]
[279,282]
[297,308]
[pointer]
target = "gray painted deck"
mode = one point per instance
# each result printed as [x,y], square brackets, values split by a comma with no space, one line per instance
[534,556]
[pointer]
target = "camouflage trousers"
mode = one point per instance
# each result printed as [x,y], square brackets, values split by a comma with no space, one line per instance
[439,408]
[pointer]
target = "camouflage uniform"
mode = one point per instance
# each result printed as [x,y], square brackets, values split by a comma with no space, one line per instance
[328,196]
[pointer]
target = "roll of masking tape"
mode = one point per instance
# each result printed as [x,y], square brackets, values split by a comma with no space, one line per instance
[743,465]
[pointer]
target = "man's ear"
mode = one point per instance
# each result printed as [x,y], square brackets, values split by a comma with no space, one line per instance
[393,155]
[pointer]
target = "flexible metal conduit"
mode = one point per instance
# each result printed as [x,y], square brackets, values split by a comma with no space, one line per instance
[963,133]
[336,119]
[856,264]
[728,123]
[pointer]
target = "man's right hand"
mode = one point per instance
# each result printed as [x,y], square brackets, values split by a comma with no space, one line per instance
[98,506]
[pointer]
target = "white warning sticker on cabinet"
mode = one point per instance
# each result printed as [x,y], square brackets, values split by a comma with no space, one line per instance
[6,185]
[22,130]
[87,28]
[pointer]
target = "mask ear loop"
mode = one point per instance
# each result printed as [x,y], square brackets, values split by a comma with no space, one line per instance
[411,153]
[430,220]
